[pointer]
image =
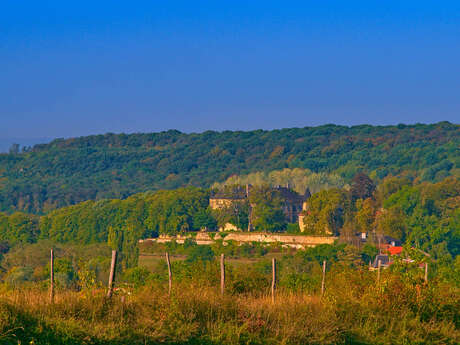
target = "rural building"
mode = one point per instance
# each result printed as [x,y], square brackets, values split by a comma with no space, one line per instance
[226,198]
[384,261]
[293,202]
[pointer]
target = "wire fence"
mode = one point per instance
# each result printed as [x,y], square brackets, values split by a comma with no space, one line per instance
[231,279]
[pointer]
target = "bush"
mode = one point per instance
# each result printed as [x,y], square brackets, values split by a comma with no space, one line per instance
[19,275]
[293,228]
[138,276]
[200,253]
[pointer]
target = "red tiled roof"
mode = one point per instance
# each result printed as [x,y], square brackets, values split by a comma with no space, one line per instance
[395,250]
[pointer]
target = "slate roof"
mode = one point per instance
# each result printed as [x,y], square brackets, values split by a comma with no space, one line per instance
[232,194]
[384,260]
[389,240]
[239,192]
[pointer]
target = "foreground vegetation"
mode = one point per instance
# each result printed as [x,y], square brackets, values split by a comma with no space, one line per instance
[357,307]
[354,310]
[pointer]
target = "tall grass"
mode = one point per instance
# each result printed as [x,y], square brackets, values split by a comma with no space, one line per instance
[353,311]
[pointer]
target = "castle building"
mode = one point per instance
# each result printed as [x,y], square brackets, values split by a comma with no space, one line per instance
[223,199]
[292,201]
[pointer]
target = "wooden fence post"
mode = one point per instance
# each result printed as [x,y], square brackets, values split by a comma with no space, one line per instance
[169,273]
[273,279]
[222,274]
[112,273]
[426,272]
[51,276]
[379,265]
[324,278]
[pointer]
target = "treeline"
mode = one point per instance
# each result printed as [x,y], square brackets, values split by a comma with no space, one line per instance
[119,223]
[298,179]
[66,172]
[149,214]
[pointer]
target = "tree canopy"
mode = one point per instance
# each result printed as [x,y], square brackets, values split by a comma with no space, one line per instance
[115,166]
[423,214]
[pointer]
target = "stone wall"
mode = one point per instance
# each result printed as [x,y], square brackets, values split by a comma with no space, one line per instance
[217,204]
[295,241]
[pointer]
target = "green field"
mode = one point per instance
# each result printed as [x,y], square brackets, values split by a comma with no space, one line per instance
[150,261]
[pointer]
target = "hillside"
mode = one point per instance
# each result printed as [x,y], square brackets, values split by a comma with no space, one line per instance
[65,172]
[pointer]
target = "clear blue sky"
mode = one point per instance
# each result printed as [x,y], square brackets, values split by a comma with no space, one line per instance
[70,68]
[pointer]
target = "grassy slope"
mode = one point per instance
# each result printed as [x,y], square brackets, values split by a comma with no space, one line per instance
[353,311]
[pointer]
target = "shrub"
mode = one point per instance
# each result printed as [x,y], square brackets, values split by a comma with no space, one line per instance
[200,253]
[138,276]
[18,276]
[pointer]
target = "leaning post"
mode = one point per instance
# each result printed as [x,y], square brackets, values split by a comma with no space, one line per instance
[168,262]
[273,279]
[323,282]
[51,276]
[426,272]
[112,273]
[222,274]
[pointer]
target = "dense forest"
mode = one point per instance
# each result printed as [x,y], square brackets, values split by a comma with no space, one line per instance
[66,172]
[424,215]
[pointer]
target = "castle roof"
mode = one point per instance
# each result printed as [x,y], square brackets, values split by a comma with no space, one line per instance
[289,194]
[236,193]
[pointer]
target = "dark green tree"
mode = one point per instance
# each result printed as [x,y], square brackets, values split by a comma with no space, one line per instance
[266,209]
[203,219]
[362,187]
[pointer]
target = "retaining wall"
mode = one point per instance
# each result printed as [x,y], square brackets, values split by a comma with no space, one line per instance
[296,241]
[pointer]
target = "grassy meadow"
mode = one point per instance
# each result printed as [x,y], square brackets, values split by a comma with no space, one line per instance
[151,261]
[355,309]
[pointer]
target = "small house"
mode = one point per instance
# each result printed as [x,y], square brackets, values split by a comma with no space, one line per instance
[384,261]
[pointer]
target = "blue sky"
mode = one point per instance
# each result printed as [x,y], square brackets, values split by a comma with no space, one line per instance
[71,68]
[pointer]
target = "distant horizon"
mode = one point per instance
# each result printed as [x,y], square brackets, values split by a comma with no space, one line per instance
[226,129]
[6,142]
[229,129]
[103,131]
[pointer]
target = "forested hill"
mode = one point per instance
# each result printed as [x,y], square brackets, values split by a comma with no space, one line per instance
[65,172]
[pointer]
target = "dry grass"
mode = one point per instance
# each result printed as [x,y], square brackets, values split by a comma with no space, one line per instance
[355,313]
